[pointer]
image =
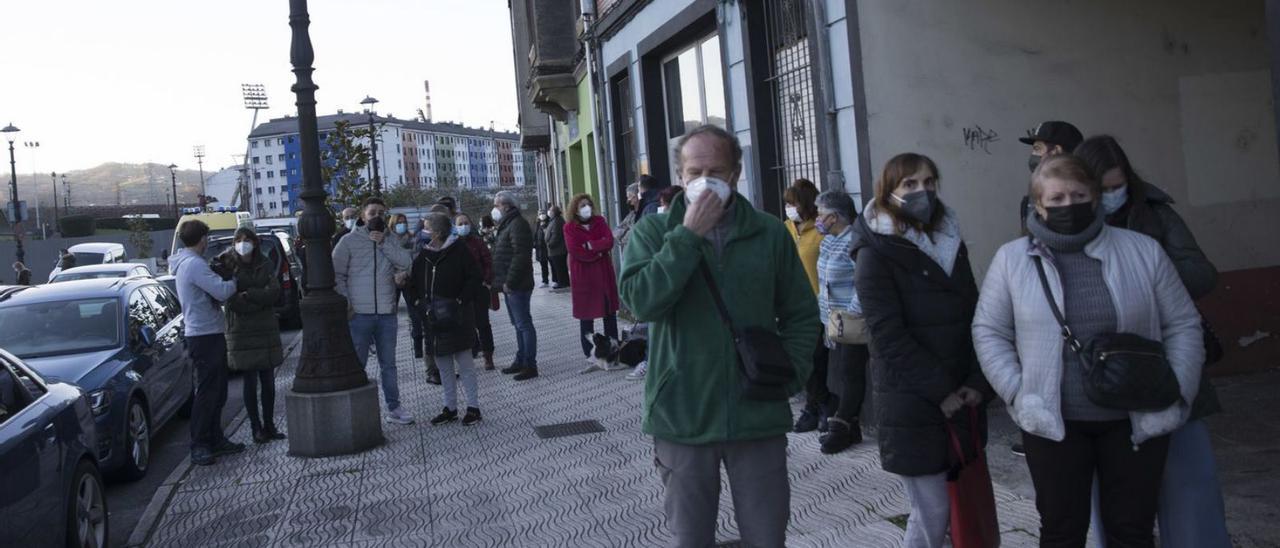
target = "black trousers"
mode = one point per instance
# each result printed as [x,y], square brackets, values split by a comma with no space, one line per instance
[484,329]
[847,378]
[546,269]
[1128,483]
[560,270]
[587,327]
[209,356]
[266,379]
[816,392]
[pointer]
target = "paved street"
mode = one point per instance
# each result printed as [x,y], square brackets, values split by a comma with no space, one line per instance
[499,484]
[169,449]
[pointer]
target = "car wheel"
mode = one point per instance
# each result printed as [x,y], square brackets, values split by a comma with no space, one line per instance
[137,441]
[87,508]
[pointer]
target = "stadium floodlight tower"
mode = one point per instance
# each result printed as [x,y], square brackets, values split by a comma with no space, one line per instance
[255,99]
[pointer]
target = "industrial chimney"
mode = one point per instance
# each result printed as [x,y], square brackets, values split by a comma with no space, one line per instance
[426,85]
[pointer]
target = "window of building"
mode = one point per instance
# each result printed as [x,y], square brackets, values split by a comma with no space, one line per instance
[271,175]
[258,191]
[271,190]
[283,172]
[255,160]
[693,87]
[281,158]
[269,159]
[257,175]
[280,141]
[254,144]
[291,138]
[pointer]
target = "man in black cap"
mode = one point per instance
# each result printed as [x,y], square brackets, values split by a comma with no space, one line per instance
[1047,139]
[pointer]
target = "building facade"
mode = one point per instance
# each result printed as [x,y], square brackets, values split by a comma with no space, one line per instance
[829,90]
[410,152]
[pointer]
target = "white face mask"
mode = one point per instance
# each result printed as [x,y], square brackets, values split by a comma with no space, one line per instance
[698,186]
[463,230]
[496,214]
[244,248]
[1113,200]
[542,216]
[793,214]
[662,209]
[584,212]
[351,224]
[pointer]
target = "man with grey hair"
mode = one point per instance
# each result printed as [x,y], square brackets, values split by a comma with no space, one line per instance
[628,222]
[695,407]
[513,273]
[349,216]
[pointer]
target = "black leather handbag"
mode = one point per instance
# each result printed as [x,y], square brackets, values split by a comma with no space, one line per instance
[1121,370]
[766,368]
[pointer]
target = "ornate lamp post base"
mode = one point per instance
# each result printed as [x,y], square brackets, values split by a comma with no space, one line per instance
[332,408]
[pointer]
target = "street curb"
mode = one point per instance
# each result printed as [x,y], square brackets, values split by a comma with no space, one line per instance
[160,501]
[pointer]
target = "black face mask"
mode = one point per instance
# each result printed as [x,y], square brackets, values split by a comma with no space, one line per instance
[1033,162]
[919,205]
[1069,220]
[377,224]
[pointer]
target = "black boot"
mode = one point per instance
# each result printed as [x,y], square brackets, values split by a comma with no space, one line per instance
[270,433]
[842,436]
[513,369]
[527,373]
[807,422]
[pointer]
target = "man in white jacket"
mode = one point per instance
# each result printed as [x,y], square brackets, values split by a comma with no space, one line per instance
[201,292]
[365,262]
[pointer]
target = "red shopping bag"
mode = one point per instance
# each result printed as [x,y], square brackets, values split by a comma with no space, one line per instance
[973,503]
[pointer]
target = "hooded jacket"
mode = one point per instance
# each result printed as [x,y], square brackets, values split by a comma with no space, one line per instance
[364,272]
[253,332]
[919,319]
[200,291]
[693,388]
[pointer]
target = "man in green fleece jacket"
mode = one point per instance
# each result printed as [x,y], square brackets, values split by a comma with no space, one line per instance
[693,405]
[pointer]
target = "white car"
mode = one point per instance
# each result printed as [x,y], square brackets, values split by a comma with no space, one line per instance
[113,270]
[93,253]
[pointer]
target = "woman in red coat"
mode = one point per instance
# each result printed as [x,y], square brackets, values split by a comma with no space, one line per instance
[593,284]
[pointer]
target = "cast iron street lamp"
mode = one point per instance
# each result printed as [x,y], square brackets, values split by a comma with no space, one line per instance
[11,135]
[332,408]
[173,179]
[373,143]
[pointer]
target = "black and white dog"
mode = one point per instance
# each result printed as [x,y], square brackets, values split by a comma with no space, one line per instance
[607,354]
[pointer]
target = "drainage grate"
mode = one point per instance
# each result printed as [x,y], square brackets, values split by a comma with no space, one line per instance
[568,429]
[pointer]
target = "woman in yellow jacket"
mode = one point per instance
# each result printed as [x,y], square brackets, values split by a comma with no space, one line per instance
[802,212]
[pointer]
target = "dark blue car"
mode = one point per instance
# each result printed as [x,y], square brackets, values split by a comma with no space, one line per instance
[119,340]
[50,490]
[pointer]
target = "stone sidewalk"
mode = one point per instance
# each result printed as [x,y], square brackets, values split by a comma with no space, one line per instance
[498,484]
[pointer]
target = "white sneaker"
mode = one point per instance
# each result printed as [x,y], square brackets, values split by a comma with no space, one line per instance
[399,416]
[639,373]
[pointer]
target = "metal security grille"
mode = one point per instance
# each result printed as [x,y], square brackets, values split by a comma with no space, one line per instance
[790,79]
[568,429]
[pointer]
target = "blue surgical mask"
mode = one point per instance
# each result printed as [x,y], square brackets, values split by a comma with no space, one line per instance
[462,230]
[401,228]
[1113,200]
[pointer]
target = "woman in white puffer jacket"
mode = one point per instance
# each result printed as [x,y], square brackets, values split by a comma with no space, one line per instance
[1104,280]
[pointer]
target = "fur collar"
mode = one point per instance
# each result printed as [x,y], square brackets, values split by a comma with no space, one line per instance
[943,246]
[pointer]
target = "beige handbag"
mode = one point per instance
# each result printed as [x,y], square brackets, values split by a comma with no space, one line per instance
[845,327]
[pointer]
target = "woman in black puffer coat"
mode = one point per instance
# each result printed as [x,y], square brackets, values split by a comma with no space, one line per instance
[444,283]
[918,296]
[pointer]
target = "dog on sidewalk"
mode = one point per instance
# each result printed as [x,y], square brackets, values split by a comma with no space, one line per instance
[608,354]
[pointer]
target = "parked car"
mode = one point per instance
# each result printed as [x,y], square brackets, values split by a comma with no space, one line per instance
[120,340]
[288,308]
[91,254]
[112,270]
[53,493]
[288,225]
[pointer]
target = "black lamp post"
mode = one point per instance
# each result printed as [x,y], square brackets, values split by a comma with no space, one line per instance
[66,195]
[173,179]
[373,143]
[53,176]
[332,408]
[11,135]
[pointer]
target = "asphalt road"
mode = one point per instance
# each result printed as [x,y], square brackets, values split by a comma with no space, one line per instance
[126,501]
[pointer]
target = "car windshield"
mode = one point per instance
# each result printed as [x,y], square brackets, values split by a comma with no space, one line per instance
[60,327]
[73,276]
[83,259]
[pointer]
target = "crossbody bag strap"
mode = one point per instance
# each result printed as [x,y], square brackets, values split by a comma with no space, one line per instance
[715,294]
[1053,305]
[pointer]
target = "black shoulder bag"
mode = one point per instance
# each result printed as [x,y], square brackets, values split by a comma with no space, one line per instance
[1121,370]
[766,369]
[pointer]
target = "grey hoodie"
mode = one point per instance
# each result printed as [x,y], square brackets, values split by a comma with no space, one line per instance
[364,272]
[198,289]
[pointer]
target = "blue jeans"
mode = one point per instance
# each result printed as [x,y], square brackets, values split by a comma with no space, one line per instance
[379,329]
[1191,510]
[522,319]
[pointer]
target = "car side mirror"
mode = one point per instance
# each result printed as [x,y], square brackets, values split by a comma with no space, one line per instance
[147,336]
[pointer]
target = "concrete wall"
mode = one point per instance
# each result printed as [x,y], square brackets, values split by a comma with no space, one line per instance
[42,255]
[1184,85]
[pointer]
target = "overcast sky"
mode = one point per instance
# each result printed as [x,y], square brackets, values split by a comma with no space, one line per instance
[145,80]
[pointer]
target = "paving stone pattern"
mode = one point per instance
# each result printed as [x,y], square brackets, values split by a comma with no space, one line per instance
[499,484]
